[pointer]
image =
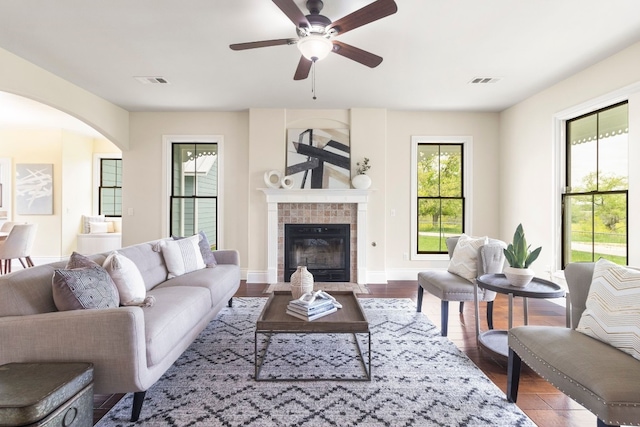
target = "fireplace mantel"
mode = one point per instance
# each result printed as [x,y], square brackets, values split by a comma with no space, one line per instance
[275,196]
[316,195]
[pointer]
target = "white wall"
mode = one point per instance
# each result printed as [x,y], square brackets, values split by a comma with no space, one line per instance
[529,193]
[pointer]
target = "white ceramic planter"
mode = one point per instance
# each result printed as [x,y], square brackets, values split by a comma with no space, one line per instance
[361,182]
[519,277]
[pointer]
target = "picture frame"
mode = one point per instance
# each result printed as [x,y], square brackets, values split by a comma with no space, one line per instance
[318,158]
[34,189]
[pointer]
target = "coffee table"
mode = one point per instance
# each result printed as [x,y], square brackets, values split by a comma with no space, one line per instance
[495,341]
[350,319]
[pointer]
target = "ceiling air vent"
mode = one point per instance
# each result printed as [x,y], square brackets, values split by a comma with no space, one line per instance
[479,80]
[151,80]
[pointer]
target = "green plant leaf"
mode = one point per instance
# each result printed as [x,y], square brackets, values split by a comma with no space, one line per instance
[518,253]
[532,257]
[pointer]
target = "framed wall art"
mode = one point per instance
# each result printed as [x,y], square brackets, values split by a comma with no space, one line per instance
[319,158]
[34,189]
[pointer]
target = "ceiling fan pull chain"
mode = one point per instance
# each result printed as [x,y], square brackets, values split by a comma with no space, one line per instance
[313,79]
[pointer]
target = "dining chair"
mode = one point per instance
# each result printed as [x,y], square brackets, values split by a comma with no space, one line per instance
[17,245]
[6,228]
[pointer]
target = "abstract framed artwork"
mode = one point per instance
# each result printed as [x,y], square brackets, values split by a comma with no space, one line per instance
[319,158]
[34,189]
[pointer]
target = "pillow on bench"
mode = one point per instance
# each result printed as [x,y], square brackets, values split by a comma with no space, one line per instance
[464,260]
[612,313]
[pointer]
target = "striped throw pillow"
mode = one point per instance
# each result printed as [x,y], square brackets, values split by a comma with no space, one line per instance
[464,261]
[613,307]
[182,256]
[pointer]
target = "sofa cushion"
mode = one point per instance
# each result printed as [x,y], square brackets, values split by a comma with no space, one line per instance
[149,262]
[77,260]
[218,281]
[84,288]
[177,310]
[593,373]
[613,307]
[464,261]
[182,256]
[205,249]
[127,278]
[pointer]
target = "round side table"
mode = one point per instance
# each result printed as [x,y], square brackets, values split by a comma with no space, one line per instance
[495,341]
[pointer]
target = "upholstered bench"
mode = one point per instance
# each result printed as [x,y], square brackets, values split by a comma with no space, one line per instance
[448,286]
[597,375]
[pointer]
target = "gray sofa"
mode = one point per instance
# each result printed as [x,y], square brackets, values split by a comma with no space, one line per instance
[603,379]
[130,347]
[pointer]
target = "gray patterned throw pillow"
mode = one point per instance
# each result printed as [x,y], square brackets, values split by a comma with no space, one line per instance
[84,288]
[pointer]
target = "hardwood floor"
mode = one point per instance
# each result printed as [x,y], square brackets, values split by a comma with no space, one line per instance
[543,403]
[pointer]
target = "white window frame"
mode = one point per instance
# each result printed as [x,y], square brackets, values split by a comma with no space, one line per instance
[167,142]
[559,179]
[467,152]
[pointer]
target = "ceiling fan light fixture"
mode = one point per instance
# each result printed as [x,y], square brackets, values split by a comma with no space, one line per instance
[315,47]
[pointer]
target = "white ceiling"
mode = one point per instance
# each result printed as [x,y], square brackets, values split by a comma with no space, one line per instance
[432,49]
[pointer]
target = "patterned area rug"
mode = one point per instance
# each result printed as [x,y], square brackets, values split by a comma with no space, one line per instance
[419,378]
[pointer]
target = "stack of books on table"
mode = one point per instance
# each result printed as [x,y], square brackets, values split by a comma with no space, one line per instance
[322,305]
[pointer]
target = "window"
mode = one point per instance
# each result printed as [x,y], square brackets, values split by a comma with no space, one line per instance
[194,189]
[595,203]
[110,188]
[439,193]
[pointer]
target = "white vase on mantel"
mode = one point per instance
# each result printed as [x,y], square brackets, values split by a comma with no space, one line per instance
[518,277]
[361,182]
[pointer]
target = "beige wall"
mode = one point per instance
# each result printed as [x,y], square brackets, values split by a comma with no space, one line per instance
[72,157]
[515,161]
[530,191]
[23,78]
[402,125]
[143,174]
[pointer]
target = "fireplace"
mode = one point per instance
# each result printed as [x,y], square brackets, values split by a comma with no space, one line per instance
[323,248]
[315,206]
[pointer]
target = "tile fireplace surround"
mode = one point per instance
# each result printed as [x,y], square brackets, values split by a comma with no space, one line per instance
[316,206]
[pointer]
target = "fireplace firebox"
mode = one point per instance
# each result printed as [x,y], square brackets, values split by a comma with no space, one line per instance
[323,248]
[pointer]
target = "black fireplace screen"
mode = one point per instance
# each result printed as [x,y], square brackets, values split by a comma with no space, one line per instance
[322,248]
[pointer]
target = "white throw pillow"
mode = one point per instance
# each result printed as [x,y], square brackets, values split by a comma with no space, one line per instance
[464,261]
[86,228]
[98,227]
[613,307]
[127,277]
[182,256]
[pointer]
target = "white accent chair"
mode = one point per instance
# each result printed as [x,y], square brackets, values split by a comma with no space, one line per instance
[17,245]
[451,287]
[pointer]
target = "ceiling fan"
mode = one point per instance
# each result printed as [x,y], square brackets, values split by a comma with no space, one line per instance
[316,33]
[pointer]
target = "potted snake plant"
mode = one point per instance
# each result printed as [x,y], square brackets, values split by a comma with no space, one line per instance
[519,257]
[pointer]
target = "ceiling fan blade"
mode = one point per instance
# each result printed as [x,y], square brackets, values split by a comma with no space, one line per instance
[372,12]
[263,43]
[293,12]
[356,54]
[304,66]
